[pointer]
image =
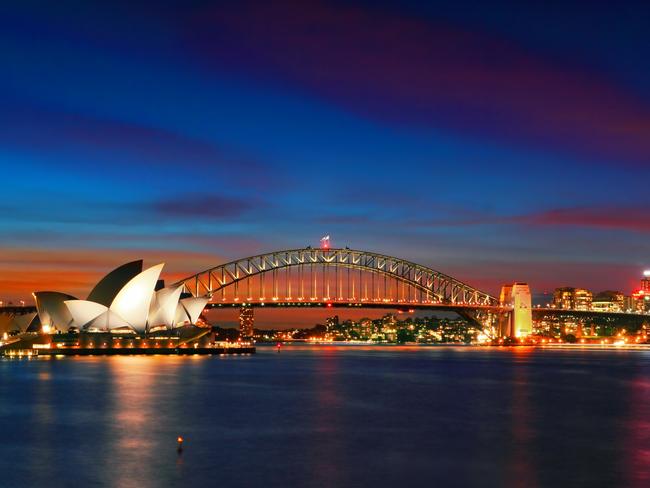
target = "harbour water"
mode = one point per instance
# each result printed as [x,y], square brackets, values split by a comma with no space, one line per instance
[335,416]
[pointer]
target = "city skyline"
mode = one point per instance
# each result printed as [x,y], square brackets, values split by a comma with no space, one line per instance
[496,143]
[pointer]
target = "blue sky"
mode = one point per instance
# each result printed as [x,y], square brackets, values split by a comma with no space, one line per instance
[494,141]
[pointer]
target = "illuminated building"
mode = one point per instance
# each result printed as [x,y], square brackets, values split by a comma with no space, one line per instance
[246,322]
[583,299]
[331,323]
[563,298]
[518,297]
[568,298]
[127,299]
[645,282]
[608,301]
[640,299]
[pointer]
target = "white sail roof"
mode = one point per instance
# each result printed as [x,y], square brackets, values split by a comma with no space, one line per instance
[109,320]
[52,310]
[83,311]
[194,306]
[180,317]
[110,285]
[163,306]
[134,299]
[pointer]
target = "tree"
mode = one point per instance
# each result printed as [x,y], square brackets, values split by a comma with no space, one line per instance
[405,335]
[570,338]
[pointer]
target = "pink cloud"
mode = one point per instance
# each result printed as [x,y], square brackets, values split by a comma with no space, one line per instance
[622,218]
[405,70]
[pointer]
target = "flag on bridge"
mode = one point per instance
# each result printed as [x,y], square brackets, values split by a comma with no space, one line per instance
[325,242]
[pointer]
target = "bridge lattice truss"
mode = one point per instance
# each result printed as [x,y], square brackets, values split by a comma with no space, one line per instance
[332,275]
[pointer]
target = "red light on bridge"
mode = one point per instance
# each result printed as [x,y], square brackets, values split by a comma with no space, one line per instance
[325,242]
[329,305]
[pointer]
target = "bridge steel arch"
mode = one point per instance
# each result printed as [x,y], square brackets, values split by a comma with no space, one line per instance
[438,287]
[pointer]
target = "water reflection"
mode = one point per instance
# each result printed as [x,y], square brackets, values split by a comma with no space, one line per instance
[521,472]
[329,416]
[42,425]
[637,452]
[327,422]
[132,383]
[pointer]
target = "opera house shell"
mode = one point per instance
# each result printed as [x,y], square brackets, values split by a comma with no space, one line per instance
[128,299]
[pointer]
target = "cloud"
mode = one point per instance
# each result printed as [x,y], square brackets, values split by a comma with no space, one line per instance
[404,70]
[344,220]
[205,206]
[628,218]
[621,218]
[117,144]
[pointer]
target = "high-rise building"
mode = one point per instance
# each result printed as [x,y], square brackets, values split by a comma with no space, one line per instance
[645,282]
[518,297]
[563,298]
[246,322]
[572,298]
[583,299]
[640,300]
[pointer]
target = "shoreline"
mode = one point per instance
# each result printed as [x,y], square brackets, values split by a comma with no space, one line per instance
[631,346]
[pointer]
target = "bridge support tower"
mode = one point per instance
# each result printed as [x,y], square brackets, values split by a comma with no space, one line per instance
[519,322]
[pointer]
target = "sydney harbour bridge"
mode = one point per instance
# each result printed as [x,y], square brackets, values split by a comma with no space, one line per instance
[348,278]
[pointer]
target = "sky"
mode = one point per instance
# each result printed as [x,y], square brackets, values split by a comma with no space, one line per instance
[493,141]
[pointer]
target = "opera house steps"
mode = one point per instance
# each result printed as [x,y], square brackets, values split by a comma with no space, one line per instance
[106,344]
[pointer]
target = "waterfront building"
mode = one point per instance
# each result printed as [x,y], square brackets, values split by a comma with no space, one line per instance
[608,301]
[365,329]
[563,298]
[246,322]
[645,282]
[568,298]
[332,323]
[640,301]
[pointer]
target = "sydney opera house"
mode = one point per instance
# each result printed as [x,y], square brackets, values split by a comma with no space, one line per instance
[127,300]
[129,308]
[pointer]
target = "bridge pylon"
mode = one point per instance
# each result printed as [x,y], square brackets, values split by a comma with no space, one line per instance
[505,326]
[518,322]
